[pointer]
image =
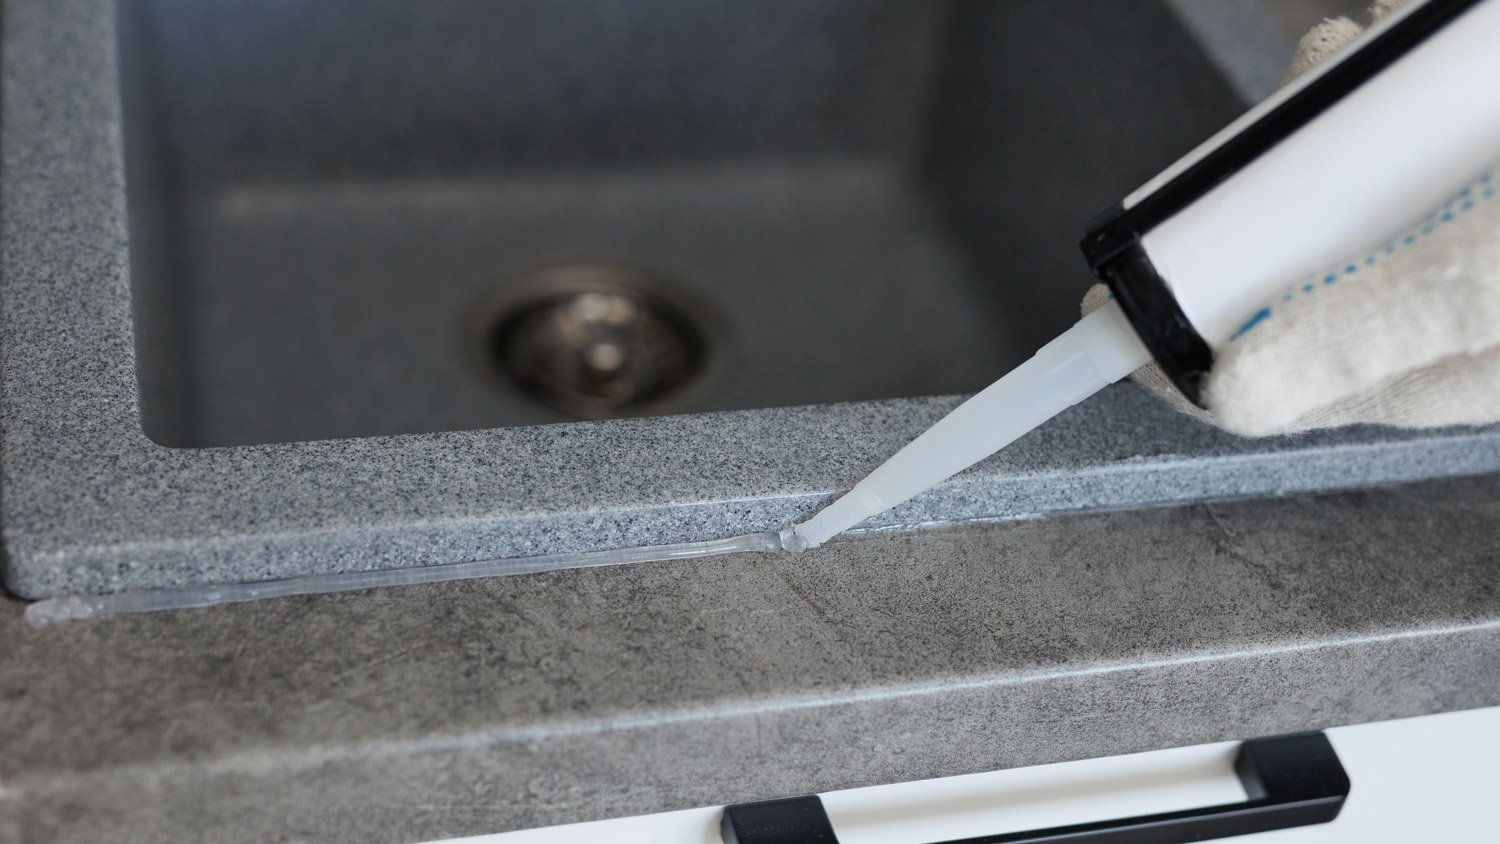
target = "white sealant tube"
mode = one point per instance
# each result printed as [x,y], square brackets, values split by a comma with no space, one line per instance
[1369,166]
[1371,159]
[1101,349]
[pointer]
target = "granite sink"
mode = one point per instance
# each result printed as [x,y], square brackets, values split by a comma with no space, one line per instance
[265,263]
[330,203]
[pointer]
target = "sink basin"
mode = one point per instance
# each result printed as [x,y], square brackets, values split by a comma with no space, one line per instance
[288,286]
[862,201]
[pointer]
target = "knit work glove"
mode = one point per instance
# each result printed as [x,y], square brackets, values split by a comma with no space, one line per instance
[1407,334]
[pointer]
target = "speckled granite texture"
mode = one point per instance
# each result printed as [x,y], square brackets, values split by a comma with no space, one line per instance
[408,714]
[91,504]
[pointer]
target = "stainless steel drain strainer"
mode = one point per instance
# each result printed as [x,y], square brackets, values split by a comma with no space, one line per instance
[595,341]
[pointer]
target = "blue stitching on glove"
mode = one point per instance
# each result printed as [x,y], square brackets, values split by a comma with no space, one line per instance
[1465,200]
[1260,316]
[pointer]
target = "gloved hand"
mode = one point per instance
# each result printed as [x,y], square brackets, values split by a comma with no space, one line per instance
[1407,334]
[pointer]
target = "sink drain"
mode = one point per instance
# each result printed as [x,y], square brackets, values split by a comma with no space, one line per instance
[596,341]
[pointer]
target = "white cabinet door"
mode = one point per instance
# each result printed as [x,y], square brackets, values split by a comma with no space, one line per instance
[1426,779]
[1435,778]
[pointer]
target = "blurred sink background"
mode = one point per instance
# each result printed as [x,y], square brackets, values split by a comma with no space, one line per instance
[342,210]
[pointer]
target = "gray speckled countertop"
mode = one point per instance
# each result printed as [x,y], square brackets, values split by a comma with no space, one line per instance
[407,714]
[91,504]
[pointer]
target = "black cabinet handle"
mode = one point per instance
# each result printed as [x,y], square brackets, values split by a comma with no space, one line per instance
[1291,781]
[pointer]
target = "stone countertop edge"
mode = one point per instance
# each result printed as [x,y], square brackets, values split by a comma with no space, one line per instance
[409,714]
[90,504]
